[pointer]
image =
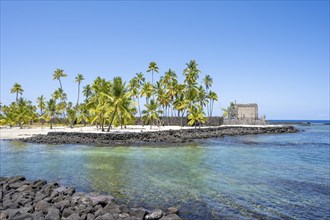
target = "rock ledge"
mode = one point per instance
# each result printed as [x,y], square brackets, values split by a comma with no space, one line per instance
[166,136]
[21,199]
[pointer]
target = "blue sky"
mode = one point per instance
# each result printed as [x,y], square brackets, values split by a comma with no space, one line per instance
[273,53]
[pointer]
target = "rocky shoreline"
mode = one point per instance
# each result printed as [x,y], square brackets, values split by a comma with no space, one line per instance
[21,199]
[166,136]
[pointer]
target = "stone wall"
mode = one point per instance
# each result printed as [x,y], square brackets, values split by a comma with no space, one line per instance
[176,121]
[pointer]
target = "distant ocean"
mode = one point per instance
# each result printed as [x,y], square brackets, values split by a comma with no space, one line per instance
[299,121]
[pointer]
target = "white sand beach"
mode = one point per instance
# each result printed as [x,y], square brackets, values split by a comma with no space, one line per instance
[16,133]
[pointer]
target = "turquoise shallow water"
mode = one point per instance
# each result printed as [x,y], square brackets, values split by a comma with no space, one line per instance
[283,176]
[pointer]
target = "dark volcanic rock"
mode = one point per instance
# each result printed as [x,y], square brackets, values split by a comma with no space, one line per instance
[154,215]
[166,136]
[172,210]
[38,200]
[53,214]
[170,217]
[67,212]
[42,206]
[39,183]
[15,179]
[101,199]
[138,212]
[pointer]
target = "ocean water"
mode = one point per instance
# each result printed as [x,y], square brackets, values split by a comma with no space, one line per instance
[284,176]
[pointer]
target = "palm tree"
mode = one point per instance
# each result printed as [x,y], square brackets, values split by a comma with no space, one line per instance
[8,114]
[87,92]
[191,72]
[56,94]
[17,88]
[79,78]
[213,97]
[24,112]
[170,83]
[83,114]
[140,81]
[151,113]
[61,106]
[202,97]
[59,94]
[58,73]
[208,81]
[147,91]
[133,87]
[118,97]
[51,111]
[170,75]
[71,114]
[97,102]
[196,115]
[153,68]
[41,100]
[180,104]
[97,108]
[164,101]
[140,78]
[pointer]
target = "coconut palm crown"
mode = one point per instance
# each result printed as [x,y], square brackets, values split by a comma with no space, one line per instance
[17,88]
[58,74]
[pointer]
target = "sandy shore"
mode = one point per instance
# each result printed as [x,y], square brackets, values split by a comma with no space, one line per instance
[17,133]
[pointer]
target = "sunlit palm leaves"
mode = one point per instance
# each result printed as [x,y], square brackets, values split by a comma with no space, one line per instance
[17,88]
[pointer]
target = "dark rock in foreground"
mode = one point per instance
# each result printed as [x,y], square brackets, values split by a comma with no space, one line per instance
[21,199]
[166,136]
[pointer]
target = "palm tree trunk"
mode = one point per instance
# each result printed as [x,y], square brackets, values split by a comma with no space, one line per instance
[16,97]
[113,117]
[51,122]
[121,121]
[139,106]
[153,92]
[78,93]
[168,118]
[59,79]
[180,117]
[212,102]
[102,124]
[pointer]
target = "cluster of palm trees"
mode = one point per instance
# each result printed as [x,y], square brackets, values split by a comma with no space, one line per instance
[109,103]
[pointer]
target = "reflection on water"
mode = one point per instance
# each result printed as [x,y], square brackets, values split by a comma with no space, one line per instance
[249,177]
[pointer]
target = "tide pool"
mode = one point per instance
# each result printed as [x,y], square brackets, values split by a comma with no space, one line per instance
[247,177]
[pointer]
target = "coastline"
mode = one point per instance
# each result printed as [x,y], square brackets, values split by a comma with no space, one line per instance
[137,134]
[22,199]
